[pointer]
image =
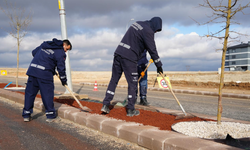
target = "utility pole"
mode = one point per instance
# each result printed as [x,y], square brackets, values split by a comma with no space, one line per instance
[64,36]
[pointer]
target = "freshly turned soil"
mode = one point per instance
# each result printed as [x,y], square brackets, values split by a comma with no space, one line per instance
[156,119]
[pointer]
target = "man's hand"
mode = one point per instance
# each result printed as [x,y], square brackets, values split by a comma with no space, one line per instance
[159,69]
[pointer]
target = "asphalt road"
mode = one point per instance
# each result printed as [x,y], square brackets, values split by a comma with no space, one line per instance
[40,135]
[234,108]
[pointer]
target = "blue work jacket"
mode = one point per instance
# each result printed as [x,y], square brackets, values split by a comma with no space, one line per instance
[47,57]
[140,36]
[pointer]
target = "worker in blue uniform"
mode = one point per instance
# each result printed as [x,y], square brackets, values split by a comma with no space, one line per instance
[139,36]
[143,83]
[47,57]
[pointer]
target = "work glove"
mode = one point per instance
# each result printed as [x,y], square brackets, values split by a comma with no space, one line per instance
[64,82]
[142,74]
[159,69]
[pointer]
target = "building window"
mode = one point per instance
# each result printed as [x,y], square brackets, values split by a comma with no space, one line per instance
[233,56]
[233,63]
[226,63]
[233,51]
[227,57]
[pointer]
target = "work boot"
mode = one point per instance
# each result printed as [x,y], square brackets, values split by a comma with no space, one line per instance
[132,113]
[49,120]
[105,109]
[27,119]
[144,101]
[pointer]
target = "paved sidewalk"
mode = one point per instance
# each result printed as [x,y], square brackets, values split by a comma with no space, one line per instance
[145,136]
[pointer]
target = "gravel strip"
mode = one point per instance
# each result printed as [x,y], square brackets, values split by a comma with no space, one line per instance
[210,130]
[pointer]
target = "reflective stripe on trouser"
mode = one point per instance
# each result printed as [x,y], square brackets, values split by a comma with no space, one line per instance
[46,88]
[130,70]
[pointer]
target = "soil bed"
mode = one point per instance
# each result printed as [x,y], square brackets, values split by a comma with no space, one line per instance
[156,119]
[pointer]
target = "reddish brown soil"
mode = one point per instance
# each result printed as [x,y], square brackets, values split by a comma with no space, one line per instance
[157,119]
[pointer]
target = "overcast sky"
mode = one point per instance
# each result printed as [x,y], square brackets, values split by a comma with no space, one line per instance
[95,27]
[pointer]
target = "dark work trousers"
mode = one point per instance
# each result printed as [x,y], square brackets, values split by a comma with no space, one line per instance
[143,83]
[129,68]
[46,88]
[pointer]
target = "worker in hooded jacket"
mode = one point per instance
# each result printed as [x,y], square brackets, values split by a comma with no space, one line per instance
[47,57]
[139,36]
[143,83]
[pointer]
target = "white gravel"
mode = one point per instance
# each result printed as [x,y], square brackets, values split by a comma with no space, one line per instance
[210,129]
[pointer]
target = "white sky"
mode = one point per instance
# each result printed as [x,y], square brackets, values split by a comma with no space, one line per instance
[96,27]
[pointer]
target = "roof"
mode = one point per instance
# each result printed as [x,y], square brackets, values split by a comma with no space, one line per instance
[242,45]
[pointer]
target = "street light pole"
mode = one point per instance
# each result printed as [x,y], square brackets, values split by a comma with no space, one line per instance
[64,36]
[128,23]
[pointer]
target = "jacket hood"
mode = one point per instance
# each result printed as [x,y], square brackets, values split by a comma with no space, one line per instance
[156,24]
[54,44]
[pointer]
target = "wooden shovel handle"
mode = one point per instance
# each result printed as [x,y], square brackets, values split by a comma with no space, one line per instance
[71,93]
[173,94]
[150,62]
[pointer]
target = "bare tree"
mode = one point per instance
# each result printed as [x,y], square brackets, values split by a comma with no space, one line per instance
[18,23]
[223,13]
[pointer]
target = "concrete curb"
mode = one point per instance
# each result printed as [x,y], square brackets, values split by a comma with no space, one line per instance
[244,96]
[146,136]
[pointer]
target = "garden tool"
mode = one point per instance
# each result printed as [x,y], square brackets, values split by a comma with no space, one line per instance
[143,72]
[179,116]
[84,108]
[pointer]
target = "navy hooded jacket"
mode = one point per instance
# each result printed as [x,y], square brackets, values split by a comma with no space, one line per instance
[48,56]
[143,60]
[140,36]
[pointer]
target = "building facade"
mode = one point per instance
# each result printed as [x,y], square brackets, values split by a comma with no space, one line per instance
[238,57]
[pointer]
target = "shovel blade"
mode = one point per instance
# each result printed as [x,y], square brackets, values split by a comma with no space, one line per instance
[86,109]
[187,116]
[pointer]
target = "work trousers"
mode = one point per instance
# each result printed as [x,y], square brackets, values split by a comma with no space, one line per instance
[143,83]
[129,68]
[46,88]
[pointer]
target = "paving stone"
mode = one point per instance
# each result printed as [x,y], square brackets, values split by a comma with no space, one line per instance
[81,117]
[177,91]
[154,139]
[72,115]
[65,111]
[131,132]
[193,143]
[38,104]
[190,91]
[95,121]
[218,146]
[12,95]
[113,126]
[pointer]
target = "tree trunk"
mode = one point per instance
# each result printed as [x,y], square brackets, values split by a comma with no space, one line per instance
[223,64]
